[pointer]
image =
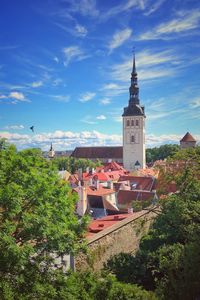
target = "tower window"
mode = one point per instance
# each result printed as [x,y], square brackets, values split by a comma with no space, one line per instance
[132,122]
[132,139]
[137,123]
[127,123]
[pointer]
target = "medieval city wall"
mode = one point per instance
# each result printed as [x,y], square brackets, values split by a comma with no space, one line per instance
[123,236]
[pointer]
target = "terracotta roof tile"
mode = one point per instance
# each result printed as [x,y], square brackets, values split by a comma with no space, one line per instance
[188,138]
[126,197]
[140,182]
[101,191]
[105,222]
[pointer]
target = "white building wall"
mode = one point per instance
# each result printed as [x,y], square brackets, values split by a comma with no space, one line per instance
[134,142]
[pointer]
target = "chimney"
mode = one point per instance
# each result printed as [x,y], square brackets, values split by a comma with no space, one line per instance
[82,202]
[110,184]
[80,174]
[87,169]
[97,184]
[93,170]
[90,182]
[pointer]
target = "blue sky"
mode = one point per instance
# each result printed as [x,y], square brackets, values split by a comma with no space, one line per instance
[65,68]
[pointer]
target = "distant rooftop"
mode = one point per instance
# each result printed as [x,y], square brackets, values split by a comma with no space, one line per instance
[188,138]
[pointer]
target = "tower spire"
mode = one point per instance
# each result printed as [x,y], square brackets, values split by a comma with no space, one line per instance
[134,89]
[134,67]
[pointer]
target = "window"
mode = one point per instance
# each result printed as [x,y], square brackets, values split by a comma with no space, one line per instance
[132,139]
[132,122]
[137,123]
[127,123]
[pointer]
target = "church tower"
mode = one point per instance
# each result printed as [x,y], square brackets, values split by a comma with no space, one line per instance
[51,152]
[134,128]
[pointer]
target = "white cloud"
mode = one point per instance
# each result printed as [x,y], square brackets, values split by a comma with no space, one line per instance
[154,7]
[18,96]
[88,120]
[101,117]
[125,7]
[151,66]
[75,30]
[87,96]
[62,98]
[117,119]
[110,86]
[105,101]
[15,97]
[184,22]
[14,127]
[65,140]
[36,84]
[57,81]
[73,53]
[81,30]
[56,59]
[195,103]
[113,89]
[119,38]
[84,7]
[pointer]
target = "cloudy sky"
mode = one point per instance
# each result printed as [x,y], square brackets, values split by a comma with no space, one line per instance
[65,68]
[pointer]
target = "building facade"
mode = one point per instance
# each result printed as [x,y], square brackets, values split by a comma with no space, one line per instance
[134,128]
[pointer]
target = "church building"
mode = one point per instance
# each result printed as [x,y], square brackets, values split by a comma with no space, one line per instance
[134,128]
[132,154]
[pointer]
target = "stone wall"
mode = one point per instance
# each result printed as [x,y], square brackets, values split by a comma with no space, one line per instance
[123,236]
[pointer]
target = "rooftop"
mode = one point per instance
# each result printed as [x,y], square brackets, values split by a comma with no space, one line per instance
[188,138]
[98,152]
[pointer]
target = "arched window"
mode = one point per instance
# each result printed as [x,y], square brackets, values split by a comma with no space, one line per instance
[127,123]
[132,139]
[132,122]
[137,123]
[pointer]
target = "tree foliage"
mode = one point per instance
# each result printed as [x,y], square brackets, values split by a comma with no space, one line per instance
[162,152]
[72,164]
[36,218]
[168,260]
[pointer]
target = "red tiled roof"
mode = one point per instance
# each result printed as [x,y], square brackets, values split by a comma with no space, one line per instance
[101,191]
[142,183]
[103,223]
[113,166]
[188,138]
[125,197]
[93,191]
[98,152]
[101,176]
[147,172]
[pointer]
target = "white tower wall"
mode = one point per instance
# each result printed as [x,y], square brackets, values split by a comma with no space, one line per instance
[134,142]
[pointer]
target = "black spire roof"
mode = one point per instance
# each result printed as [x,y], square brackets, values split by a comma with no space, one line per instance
[134,108]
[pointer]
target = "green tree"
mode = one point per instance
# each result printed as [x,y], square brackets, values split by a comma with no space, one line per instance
[36,219]
[162,152]
[168,259]
[72,164]
[90,286]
